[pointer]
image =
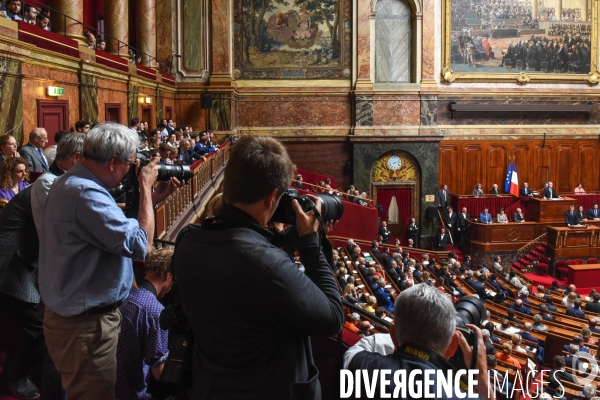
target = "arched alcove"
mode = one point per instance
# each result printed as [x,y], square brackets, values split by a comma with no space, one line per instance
[393,41]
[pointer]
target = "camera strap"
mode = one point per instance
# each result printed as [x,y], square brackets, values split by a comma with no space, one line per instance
[325,244]
[414,351]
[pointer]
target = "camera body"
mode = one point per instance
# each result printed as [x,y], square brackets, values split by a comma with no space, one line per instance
[332,207]
[469,310]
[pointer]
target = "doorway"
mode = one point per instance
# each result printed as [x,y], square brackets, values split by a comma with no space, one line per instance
[112,112]
[53,115]
[147,114]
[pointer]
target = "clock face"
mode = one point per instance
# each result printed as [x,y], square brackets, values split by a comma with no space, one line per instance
[394,162]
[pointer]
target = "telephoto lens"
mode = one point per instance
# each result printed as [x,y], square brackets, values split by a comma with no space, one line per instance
[332,207]
[168,171]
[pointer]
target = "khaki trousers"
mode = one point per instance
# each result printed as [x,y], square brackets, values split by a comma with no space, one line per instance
[84,350]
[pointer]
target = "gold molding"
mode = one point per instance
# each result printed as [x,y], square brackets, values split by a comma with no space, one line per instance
[448,76]
[292,83]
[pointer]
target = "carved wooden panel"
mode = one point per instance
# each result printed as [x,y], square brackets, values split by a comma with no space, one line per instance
[542,166]
[589,169]
[565,168]
[522,156]
[473,171]
[497,162]
[450,167]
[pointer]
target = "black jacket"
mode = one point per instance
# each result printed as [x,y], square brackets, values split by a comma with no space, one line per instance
[253,311]
[592,306]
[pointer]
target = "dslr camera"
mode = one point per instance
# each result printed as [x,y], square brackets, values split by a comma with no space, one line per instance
[332,207]
[469,310]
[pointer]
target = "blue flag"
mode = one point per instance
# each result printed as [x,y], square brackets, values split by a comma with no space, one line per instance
[508,178]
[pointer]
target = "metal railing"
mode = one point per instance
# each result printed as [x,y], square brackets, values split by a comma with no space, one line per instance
[101,35]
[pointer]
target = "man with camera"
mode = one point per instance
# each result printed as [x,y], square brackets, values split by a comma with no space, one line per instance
[85,267]
[425,336]
[260,348]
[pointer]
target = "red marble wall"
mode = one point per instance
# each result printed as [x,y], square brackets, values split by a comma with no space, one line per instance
[35,84]
[110,91]
[389,110]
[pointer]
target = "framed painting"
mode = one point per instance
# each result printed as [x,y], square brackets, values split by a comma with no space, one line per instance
[521,40]
[292,39]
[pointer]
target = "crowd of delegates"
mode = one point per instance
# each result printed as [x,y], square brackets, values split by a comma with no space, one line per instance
[489,10]
[570,29]
[173,144]
[353,195]
[15,10]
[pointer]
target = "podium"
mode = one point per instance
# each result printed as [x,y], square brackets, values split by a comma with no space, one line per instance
[578,241]
[549,211]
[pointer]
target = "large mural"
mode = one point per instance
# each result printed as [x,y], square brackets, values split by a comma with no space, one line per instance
[295,39]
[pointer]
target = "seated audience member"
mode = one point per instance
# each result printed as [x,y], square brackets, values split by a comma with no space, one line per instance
[298,182]
[494,189]
[590,296]
[577,341]
[485,217]
[544,313]
[518,216]
[505,355]
[497,266]
[516,282]
[589,391]
[143,345]
[586,333]
[594,212]
[203,146]
[164,151]
[186,154]
[14,175]
[353,294]
[30,13]
[518,306]
[496,378]
[478,191]
[8,147]
[82,126]
[569,300]
[101,45]
[384,296]
[592,325]
[342,276]
[369,306]
[559,374]
[579,189]
[572,289]
[504,325]
[555,288]
[491,328]
[351,246]
[90,39]
[581,215]
[353,322]
[510,313]
[43,21]
[516,344]
[541,292]
[173,154]
[549,305]
[575,311]
[489,346]
[172,140]
[501,217]
[537,323]
[526,334]
[13,10]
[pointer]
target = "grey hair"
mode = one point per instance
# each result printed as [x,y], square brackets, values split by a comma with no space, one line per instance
[589,390]
[33,134]
[70,144]
[426,317]
[485,333]
[183,141]
[354,317]
[108,140]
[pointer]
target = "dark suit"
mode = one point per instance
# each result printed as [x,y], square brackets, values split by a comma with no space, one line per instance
[550,193]
[553,384]
[575,312]
[593,306]
[462,224]
[547,317]
[581,216]
[384,231]
[494,191]
[413,233]
[527,336]
[571,218]
[572,361]
[593,213]
[384,298]
[450,221]
[34,161]
[442,241]
[518,217]
[522,309]
[525,192]
[443,198]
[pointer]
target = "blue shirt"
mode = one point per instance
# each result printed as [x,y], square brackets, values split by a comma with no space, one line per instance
[86,245]
[142,344]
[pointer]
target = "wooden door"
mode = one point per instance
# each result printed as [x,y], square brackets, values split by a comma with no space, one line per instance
[112,112]
[53,115]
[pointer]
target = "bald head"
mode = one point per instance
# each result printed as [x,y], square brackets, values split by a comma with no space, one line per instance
[38,137]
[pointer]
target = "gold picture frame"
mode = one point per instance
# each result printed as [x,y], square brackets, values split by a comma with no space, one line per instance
[453,72]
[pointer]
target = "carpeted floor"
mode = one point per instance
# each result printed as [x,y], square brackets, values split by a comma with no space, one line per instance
[546,280]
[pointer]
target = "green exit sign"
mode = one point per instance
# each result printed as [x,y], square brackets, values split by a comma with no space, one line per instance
[55,91]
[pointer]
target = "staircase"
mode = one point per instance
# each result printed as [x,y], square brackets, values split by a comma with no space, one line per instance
[525,262]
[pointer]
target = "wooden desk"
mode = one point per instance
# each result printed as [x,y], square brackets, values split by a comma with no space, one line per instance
[585,275]
[573,242]
[502,237]
[548,211]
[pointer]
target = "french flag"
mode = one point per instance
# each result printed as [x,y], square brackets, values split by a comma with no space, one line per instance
[514,181]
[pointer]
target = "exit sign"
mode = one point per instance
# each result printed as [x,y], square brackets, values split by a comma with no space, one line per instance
[55,91]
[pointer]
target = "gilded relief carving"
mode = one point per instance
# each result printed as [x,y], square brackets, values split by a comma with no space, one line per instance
[394,166]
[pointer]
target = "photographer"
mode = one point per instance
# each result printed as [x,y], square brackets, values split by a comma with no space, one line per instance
[85,263]
[425,319]
[260,348]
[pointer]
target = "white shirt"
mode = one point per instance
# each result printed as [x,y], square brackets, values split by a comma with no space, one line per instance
[50,153]
[39,195]
[380,343]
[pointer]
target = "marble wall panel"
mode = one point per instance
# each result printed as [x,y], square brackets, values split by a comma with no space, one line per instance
[429,38]
[396,110]
[113,92]
[363,45]
[425,153]
[220,36]
[444,116]
[286,111]
[11,93]
[192,35]
[392,41]
[220,113]
[429,110]
[88,98]
[132,102]
[165,10]
[188,112]
[364,110]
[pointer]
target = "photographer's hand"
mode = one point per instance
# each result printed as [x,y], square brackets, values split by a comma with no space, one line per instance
[480,364]
[306,222]
[146,179]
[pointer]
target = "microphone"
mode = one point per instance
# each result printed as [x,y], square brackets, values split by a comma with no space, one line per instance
[177,55]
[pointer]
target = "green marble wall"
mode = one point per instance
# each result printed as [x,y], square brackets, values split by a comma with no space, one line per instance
[11,98]
[88,98]
[192,35]
[220,113]
[425,153]
[132,103]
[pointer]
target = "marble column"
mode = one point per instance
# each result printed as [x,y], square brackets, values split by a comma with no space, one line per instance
[116,25]
[145,29]
[559,10]
[584,12]
[70,26]
[534,9]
